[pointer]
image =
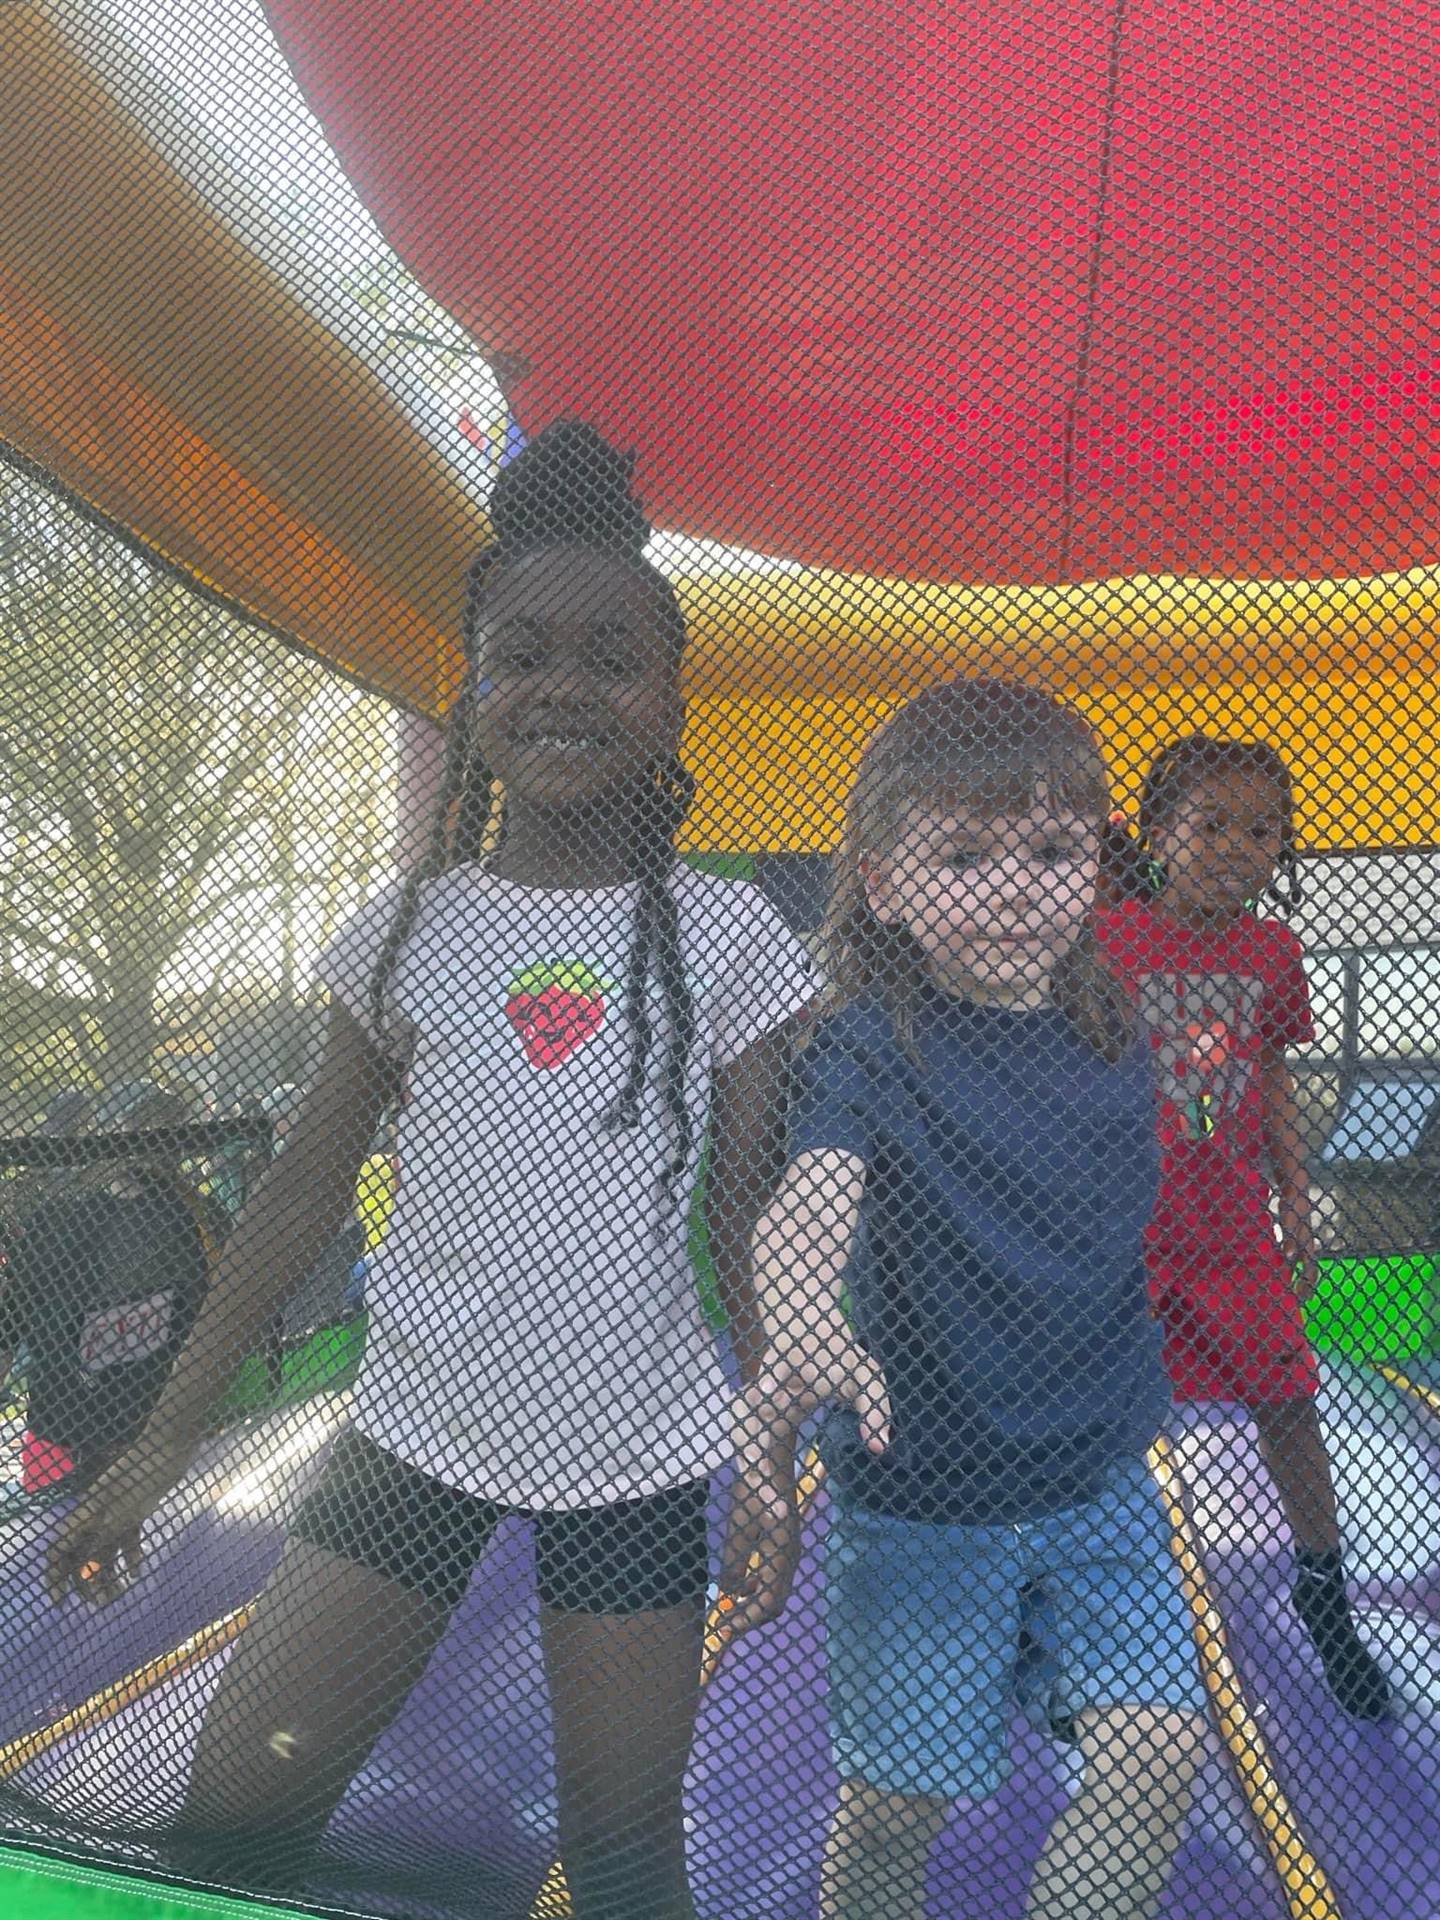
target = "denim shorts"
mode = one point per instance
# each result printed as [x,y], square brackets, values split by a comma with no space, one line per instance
[924,1627]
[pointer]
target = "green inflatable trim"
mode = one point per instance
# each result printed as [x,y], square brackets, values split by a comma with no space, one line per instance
[723,866]
[324,1362]
[38,1887]
[1379,1307]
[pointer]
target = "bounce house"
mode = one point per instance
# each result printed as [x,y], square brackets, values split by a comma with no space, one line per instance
[1086,349]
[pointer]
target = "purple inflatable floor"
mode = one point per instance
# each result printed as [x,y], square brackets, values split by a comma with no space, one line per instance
[453,1817]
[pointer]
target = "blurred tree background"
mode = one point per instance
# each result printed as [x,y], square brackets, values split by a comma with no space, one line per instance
[187,808]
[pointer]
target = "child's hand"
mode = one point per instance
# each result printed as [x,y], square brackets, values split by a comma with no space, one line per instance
[762,1550]
[796,1382]
[762,1545]
[96,1552]
[1297,1236]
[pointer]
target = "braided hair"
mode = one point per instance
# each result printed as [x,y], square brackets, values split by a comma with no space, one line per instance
[570,488]
[1174,776]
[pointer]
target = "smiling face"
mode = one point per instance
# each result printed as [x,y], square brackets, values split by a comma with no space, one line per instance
[1222,846]
[993,902]
[577,679]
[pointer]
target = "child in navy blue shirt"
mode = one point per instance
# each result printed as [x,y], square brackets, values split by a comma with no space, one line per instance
[955,1255]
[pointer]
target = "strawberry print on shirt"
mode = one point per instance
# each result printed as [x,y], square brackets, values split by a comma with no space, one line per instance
[556,1006]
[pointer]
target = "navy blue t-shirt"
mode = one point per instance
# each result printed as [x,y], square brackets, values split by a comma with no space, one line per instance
[998,1276]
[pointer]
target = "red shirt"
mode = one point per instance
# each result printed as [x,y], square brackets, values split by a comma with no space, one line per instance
[1216,1004]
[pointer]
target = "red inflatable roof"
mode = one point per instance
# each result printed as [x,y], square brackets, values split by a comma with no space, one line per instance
[1022,290]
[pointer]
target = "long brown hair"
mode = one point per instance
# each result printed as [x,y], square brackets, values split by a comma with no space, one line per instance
[988,747]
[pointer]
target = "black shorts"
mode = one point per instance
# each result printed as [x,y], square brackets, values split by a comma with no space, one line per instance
[634,1557]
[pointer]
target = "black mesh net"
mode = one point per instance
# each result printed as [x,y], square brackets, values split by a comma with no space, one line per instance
[719,1178]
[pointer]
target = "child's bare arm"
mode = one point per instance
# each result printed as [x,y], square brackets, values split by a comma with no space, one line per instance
[1290,1165]
[746,1157]
[285,1226]
[803,1243]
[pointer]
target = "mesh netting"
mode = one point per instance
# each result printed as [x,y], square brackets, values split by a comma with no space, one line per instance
[719,1086]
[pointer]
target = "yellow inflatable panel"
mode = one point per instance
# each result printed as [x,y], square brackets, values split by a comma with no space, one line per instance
[789,672]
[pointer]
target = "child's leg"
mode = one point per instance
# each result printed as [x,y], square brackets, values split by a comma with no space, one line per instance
[923,1632]
[624,1692]
[625,1590]
[377,1558]
[1127,1668]
[327,1662]
[1110,1852]
[1293,1448]
[877,1854]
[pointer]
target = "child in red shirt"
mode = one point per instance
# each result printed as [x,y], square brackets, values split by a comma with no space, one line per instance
[1223,993]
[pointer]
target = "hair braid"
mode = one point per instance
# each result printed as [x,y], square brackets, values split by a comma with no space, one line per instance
[570,488]
[666,799]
